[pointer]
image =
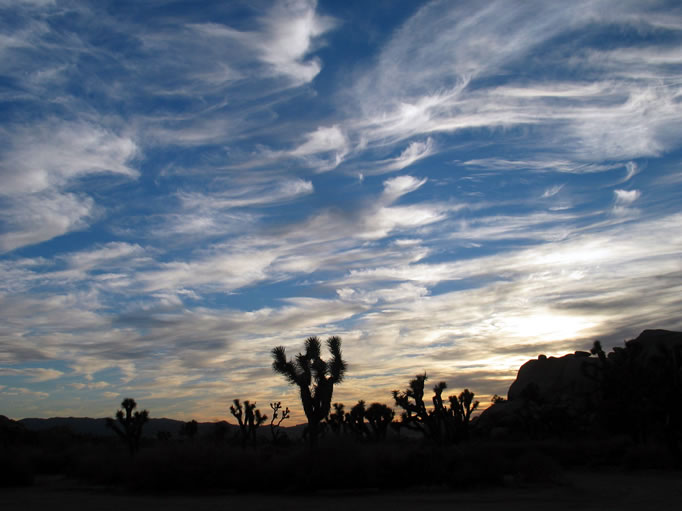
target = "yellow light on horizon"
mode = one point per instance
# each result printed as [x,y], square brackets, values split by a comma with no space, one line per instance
[547,327]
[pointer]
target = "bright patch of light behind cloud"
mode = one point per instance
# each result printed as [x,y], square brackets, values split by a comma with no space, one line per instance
[451,187]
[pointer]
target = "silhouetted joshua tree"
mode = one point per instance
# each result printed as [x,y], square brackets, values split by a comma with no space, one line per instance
[336,420]
[129,426]
[189,429]
[249,418]
[276,421]
[355,420]
[314,377]
[379,417]
[442,423]
[461,408]
[415,415]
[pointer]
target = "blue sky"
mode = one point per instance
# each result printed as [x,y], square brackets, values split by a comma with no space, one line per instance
[451,187]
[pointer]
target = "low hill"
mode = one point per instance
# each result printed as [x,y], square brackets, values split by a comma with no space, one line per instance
[98,427]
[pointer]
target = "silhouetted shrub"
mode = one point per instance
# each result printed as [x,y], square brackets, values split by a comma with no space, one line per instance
[15,468]
[646,457]
[472,467]
[188,430]
[536,467]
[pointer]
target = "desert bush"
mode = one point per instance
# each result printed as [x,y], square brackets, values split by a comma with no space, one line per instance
[648,456]
[536,467]
[15,468]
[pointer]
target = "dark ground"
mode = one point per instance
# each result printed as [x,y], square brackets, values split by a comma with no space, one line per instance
[575,490]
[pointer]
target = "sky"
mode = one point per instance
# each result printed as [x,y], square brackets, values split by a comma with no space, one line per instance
[452,187]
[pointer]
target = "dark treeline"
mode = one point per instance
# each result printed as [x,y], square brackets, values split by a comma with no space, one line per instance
[585,410]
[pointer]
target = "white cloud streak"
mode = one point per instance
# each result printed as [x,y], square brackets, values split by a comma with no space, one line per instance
[33,375]
[40,164]
[428,80]
[287,36]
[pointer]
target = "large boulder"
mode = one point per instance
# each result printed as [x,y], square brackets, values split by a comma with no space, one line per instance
[653,346]
[634,388]
[576,376]
[549,378]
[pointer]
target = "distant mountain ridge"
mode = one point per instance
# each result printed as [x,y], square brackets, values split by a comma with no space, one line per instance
[98,427]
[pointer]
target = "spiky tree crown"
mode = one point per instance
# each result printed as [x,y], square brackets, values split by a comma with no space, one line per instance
[308,368]
[314,376]
[130,429]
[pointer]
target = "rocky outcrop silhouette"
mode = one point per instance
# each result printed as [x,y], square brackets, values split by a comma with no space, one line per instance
[555,377]
[635,389]
[578,374]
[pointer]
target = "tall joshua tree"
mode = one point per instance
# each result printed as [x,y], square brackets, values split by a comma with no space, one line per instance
[129,426]
[314,376]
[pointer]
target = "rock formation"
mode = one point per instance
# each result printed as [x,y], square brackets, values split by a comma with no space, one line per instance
[635,389]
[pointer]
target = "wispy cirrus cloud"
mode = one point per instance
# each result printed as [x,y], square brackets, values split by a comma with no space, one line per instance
[249,195]
[49,155]
[277,256]
[323,141]
[551,192]
[33,375]
[103,256]
[414,152]
[208,156]
[22,392]
[567,166]
[35,218]
[623,200]
[420,86]
[283,42]
[42,163]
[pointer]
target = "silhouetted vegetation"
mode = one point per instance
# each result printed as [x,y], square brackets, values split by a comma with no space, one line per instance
[620,409]
[249,419]
[278,416]
[128,425]
[336,420]
[314,377]
[638,397]
[380,418]
[189,429]
[442,423]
